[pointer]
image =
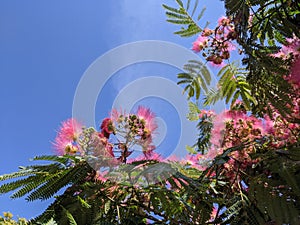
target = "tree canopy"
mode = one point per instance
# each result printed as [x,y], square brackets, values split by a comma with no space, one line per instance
[244,168]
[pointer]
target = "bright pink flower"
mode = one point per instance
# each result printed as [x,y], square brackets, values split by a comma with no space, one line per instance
[102,151]
[293,45]
[149,117]
[67,136]
[291,49]
[219,125]
[295,72]
[257,123]
[134,129]
[213,152]
[200,43]
[192,160]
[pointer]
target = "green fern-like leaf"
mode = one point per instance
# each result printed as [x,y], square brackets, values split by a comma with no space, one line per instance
[84,203]
[181,16]
[29,186]
[60,180]
[43,181]
[46,216]
[15,184]
[58,159]
[23,172]
[232,85]
[193,112]
[70,217]
[35,176]
[277,194]
[196,78]
[272,23]
[212,96]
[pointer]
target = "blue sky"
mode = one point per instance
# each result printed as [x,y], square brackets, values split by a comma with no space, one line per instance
[45,48]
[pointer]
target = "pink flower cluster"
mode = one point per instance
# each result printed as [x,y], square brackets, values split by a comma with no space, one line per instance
[134,130]
[285,131]
[234,128]
[291,49]
[281,131]
[294,76]
[129,130]
[216,44]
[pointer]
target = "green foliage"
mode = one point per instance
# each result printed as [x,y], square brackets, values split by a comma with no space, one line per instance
[263,83]
[43,181]
[196,78]
[212,96]
[194,112]
[267,84]
[240,211]
[71,219]
[178,193]
[232,85]
[181,195]
[270,191]
[272,22]
[274,206]
[276,191]
[181,16]
[204,126]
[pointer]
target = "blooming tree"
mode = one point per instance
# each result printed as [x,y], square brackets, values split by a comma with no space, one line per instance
[244,167]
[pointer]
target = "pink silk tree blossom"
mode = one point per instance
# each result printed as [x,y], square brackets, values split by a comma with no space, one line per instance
[65,141]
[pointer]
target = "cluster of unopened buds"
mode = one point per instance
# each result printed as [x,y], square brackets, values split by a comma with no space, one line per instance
[281,132]
[119,135]
[216,44]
